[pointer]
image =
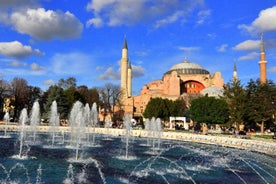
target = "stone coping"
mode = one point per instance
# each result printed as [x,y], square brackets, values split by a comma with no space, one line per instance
[263,146]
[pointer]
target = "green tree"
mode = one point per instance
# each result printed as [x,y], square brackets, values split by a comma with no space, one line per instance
[35,93]
[236,99]
[68,83]
[56,93]
[155,108]
[163,108]
[72,96]
[261,104]
[209,110]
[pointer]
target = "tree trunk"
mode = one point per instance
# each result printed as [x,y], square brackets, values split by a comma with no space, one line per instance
[261,125]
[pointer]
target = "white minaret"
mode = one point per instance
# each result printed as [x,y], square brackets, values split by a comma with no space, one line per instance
[235,73]
[124,71]
[129,80]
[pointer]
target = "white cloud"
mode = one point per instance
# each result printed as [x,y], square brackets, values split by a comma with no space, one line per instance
[36,67]
[203,16]
[272,69]
[170,19]
[137,71]
[189,49]
[17,64]
[97,22]
[222,48]
[46,25]
[265,22]
[99,68]
[248,45]
[212,35]
[157,13]
[49,82]
[71,64]
[110,74]
[8,6]
[17,50]
[250,56]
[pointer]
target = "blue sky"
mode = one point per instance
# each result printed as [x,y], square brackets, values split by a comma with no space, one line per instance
[43,41]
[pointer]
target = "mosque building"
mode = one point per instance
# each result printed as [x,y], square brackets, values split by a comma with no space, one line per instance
[182,80]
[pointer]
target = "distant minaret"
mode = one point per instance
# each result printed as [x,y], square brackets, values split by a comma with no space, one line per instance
[262,62]
[124,71]
[129,80]
[235,73]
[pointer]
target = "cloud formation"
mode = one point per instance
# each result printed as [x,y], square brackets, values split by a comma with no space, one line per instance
[16,49]
[74,63]
[36,67]
[203,16]
[49,82]
[188,49]
[111,74]
[46,25]
[222,48]
[250,56]
[263,23]
[272,69]
[248,45]
[157,13]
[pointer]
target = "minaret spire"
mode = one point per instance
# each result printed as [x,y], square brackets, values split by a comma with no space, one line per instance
[125,43]
[262,62]
[262,43]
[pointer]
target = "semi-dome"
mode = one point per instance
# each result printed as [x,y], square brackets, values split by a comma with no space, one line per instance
[188,67]
[213,91]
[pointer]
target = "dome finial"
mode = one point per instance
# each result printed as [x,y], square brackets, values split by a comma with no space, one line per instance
[186,60]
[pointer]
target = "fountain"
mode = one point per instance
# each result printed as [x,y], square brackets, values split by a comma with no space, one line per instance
[77,124]
[174,162]
[94,120]
[128,127]
[87,120]
[54,121]
[35,119]
[6,120]
[22,122]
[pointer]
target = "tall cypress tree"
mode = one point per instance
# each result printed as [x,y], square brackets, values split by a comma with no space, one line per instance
[235,97]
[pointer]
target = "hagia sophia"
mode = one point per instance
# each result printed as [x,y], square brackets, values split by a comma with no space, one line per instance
[182,80]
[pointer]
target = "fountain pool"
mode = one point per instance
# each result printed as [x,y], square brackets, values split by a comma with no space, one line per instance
[173,162]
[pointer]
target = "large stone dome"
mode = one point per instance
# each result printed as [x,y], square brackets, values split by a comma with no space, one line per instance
[188,67]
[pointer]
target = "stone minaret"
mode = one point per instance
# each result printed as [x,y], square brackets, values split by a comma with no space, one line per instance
[124,71]
[262,62]
[129,80]
[235,73]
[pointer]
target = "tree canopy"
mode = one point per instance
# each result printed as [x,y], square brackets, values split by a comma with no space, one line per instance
[164,108]
[261,103]
[235,97]
[209,110]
